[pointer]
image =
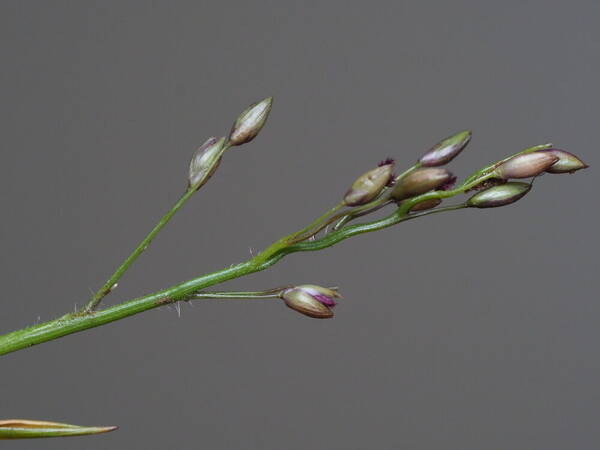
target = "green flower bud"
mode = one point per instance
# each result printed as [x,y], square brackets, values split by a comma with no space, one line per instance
[205,161]
[421,181]
[310,300]
[526,165]
[446,150]
[369,185]
[426,204]
[500,195]
[567,162]
[250,122]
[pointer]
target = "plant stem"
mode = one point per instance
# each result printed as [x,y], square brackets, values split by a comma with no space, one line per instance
[271,293]
[349,217]
[110,283]
[245,295]
[294,237]
[317,221]
[72,323]
[400,215]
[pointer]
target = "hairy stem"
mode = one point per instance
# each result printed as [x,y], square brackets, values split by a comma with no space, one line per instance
[83,320]
[72,323]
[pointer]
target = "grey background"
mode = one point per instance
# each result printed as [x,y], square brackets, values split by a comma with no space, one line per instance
[469,330]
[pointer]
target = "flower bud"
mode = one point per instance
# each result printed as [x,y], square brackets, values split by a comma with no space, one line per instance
[567,162]
[500,195]
[445,151]
[250,122]
[205,161]
[369,185]
[426,204]
[421,181]
[310,300]
[526,165]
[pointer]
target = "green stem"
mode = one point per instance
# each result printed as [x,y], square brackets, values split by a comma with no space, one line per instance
[72,323]
[246,295]
[347,218]
[401,214]
[344,217]
[338,218]
[110,283]
[294,237]
[317,221]
[271,293]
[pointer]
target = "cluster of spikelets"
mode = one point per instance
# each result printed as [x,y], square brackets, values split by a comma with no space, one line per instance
[418,191]
[496,190]
[380,186]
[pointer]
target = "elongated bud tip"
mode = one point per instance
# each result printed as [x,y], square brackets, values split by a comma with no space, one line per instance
[421,181]
[310,300]
[526,165]
[500,195]
[370,184]
[446,150]
[567,162]
[250,122]
[205,161]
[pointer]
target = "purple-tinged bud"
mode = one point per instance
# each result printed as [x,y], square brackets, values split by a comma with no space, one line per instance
[426,204]
[446,150]
[421,181]
[205,161]
[448,184]
[369,185]
[310,300]
[526,165]
[250,122]
[567,162]
[500,195]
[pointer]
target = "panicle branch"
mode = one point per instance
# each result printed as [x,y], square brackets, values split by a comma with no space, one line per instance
[420,190]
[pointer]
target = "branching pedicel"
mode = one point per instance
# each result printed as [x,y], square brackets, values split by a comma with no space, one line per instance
[416,192]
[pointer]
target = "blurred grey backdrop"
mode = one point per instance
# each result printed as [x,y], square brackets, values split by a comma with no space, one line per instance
[468,330]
